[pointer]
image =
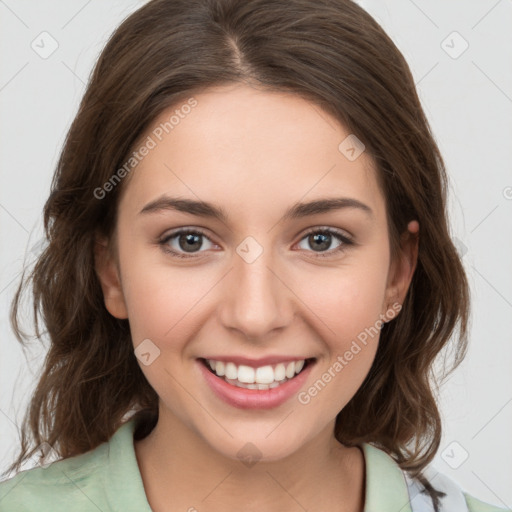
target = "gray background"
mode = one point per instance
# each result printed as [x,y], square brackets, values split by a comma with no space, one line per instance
[467,96]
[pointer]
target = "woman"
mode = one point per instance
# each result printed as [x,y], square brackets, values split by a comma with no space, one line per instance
[249,261]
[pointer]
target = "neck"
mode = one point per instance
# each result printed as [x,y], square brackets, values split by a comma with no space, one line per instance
[179,467]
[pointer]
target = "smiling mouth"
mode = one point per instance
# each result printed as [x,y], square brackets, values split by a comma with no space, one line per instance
[264,377]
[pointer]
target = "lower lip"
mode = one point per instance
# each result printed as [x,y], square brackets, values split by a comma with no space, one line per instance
[254,398]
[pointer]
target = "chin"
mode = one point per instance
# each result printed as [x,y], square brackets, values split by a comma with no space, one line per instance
[255,446]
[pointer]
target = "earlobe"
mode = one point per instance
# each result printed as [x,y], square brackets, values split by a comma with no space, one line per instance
[108,275]
[403,269]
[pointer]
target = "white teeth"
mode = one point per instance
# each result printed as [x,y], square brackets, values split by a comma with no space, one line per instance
[264,377]
[290,370]
[231,371]
[220,368]
[280,372]
[239,384]
[246,374]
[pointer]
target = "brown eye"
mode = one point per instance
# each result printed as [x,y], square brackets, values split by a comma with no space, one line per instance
[321,240]
[183,242]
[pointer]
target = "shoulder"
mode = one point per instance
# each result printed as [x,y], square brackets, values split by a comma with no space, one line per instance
[67,484]
[452,498]
[104,478]
[475,505]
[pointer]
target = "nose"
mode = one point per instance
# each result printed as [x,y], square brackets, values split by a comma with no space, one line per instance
[257,300]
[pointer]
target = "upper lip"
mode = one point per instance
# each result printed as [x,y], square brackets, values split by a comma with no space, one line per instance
[256,363]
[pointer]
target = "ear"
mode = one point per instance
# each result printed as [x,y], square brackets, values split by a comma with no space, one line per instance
[402,270]
[108,275]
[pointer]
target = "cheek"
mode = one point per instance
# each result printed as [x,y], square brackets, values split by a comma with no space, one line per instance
[346,299]
[164,306]
[347,306]
[162,302]
[346,303]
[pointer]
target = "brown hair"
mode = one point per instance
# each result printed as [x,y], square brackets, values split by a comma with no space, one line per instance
[330,52]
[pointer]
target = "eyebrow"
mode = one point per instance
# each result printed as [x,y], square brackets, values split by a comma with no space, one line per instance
[297,211]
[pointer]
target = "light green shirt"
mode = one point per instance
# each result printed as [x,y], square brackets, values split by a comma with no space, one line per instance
[107,478]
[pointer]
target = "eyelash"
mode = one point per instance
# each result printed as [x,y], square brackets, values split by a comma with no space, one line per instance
[346,242]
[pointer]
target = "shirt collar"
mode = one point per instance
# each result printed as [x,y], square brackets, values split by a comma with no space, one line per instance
[124,487]
[386,487]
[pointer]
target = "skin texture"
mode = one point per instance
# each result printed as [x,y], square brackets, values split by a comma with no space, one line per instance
[254,153]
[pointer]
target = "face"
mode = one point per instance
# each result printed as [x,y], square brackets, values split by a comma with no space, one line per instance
[266,283]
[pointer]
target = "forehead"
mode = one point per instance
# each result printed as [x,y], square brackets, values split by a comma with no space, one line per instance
[249,150]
